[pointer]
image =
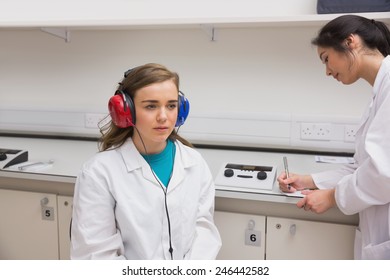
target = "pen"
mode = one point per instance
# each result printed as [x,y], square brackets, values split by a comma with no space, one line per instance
[286,170]
[27,166]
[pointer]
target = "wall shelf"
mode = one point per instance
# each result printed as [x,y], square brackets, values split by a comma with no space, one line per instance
[190,22]
[62,33]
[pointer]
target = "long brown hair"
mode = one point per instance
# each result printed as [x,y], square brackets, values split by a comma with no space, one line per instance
[135,79]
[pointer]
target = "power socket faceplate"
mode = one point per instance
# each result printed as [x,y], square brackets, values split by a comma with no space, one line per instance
[92,120]
[316,131]
[350,133]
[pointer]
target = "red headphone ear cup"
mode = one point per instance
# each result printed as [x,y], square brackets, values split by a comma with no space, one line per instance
[121,113]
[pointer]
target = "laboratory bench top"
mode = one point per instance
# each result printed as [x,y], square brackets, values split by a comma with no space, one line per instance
[63,159]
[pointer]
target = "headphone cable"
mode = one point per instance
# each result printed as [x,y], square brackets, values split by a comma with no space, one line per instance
[164,190]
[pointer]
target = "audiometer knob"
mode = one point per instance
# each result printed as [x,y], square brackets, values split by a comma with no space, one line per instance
[228,173]
[3,156]
[261,175]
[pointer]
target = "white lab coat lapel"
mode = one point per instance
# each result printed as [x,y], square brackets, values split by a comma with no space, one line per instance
[177,174]
[134,160]
[364,119]
[368,115]
[182,161]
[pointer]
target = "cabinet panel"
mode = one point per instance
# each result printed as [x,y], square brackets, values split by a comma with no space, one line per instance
[65,204]
[243,236]
[298,239]
[28,225]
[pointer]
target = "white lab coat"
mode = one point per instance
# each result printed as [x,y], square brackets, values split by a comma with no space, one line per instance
[364,187]
[119,210]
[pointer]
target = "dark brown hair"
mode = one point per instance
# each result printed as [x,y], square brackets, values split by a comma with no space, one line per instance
[374,34]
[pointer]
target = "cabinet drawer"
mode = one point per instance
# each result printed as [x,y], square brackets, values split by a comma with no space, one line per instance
[243,236]
[65,205]
[299,239]
[28,225]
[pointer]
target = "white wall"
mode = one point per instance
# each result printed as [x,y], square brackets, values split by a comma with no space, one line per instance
[246,71]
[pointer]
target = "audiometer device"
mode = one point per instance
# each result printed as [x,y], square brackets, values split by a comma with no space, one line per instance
[10,157]
[255,177]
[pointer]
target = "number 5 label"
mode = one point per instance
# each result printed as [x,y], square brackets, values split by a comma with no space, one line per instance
[47,213]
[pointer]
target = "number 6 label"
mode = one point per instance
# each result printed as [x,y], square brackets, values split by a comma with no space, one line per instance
[252,237]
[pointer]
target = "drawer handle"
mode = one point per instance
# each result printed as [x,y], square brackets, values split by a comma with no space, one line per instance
[46,211]
[44,201]
[293,229]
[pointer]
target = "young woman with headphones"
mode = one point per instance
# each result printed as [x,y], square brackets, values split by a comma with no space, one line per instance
[147,194]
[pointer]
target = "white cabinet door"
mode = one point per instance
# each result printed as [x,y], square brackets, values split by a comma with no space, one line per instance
[290,239]
[28,227]
[243,236]
[65,204]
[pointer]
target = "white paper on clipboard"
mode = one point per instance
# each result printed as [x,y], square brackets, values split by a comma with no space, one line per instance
[294,194]
[332,159]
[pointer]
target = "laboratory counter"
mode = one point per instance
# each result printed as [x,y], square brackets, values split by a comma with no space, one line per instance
[62,158]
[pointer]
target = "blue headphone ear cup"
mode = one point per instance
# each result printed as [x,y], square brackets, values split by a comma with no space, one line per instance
[183,110]
[122,110]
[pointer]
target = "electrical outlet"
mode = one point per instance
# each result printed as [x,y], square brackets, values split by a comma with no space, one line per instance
[350,133]
[93,120]
[316,131]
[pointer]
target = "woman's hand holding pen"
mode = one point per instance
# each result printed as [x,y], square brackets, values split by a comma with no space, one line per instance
[296,182]
[317,201]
